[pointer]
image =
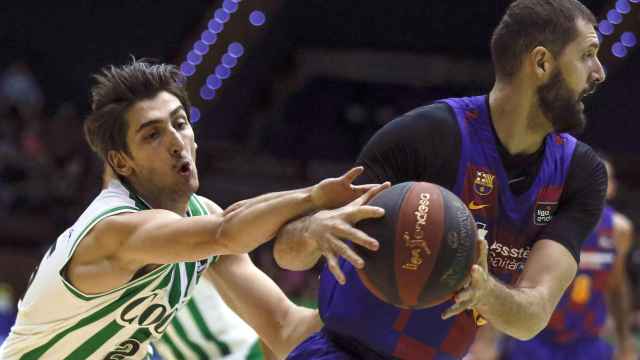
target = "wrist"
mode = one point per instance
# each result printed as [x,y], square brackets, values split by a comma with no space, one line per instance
[484,305]
[314,198]
[308,199]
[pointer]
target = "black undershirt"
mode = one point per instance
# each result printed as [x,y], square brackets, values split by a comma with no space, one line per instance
[424,145]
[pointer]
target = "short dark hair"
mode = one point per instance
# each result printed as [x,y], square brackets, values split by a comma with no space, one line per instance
[118,88]
[531,23]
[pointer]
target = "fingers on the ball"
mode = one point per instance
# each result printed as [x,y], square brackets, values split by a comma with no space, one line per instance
[477,274]
[362,189]
[374,191]
[363,199]
[352,174]
[453,311]
[484,250]
[346,252]
[467,281]
[364,212]
[346,231]
[332,263]
[464,296]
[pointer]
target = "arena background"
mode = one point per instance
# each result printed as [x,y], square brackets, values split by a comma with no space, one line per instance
[285,92]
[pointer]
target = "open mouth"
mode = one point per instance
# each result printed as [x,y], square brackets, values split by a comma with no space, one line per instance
[587,92]
[185,168]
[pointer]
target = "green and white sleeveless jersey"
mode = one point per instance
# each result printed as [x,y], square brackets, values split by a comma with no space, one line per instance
[206,328]
[57,321]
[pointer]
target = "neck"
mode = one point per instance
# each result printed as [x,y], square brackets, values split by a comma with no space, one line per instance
[516,116]
[174,201]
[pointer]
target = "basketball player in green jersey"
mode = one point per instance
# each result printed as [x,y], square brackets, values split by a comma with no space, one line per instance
[114,280]
[206,328]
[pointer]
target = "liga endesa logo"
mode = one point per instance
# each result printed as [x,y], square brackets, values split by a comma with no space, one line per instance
[417,244]
[508,258]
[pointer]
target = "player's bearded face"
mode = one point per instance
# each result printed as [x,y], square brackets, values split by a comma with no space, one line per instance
[561,105]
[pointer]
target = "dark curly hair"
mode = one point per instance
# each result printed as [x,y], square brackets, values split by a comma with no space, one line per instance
[118,88]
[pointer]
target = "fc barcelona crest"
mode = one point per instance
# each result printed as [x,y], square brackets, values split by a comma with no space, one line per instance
[483,183]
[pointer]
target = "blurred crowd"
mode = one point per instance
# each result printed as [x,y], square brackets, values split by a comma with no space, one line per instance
[44,164]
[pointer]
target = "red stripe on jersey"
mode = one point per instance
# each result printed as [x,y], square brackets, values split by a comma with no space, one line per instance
[408,348]
[461,335]
[402,320]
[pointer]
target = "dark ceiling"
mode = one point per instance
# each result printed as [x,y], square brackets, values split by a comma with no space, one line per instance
[66,41]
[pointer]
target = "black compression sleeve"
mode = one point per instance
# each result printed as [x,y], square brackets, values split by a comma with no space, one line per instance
[581,202]
[422,145]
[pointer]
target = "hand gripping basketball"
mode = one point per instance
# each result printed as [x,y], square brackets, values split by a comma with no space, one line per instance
[474,292]
[330,228]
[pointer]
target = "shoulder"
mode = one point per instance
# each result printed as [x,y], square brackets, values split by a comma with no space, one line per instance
[587,170]
[211,206]
[585,158]
[108,234]
[437,116]
[435,121]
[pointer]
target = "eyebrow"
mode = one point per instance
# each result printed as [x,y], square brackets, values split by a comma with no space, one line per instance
[593,44]
[152,122]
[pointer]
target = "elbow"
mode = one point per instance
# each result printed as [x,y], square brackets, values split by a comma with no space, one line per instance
[530,329]
[526,334]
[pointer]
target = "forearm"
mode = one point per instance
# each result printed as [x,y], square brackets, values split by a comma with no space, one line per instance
[266,352]
[262,304]
[262,198]
[293,250]
[618,292]
[257,222]
[518,312]
[620,309]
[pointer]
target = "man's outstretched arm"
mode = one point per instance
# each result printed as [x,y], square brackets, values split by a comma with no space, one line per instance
[120,245]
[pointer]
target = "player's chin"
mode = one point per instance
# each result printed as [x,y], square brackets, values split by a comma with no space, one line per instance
[186,184]
[194,184]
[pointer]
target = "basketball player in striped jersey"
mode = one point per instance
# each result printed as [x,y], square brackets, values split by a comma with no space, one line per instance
[116,278]
[535,190]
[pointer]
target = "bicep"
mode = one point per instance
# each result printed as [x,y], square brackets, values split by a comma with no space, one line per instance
[422,145]
[162,237]
[581,204]
[549,270]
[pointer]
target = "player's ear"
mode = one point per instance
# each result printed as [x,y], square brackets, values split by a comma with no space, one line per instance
[541,62]
[119,162]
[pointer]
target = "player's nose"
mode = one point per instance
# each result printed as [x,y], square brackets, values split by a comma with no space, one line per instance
[176,143]
[599,74]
